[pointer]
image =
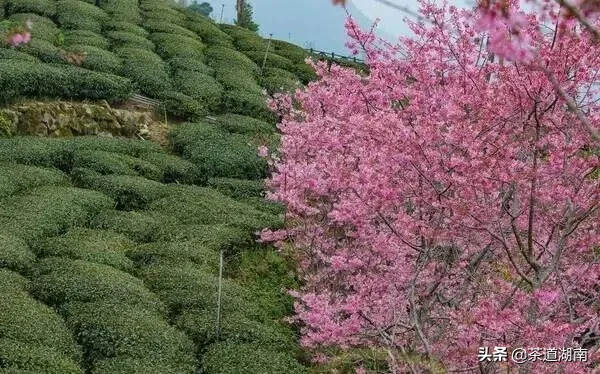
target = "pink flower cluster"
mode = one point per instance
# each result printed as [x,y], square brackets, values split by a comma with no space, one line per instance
[20,38]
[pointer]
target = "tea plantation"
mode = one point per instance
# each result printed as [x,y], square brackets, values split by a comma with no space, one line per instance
[109,257]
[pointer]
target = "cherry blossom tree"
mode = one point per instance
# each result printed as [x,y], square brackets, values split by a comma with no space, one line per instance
[449,199]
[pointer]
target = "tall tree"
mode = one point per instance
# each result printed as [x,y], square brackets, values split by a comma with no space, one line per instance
[245,15]
[449,201]
[204,8]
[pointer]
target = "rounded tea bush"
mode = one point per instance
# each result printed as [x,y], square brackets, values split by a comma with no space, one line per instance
[174,169]
[214,237]
[201,87]
[42,7]
[124,39]
[131,147]
[208,31]
[11,54]
[42,27]
[181,105]
[290,51]
[126,27]
[79,15]
[238,124]
[21,358]
[237,79]
[247,103]
[15,254]
[97,59]
[122,11]
[128,365]
[147,70]
[44,51]
[186,64]
[35,151]
[60,280]
[237,188]
[176,253]
[248,358]
[97,246]
[15,178]
[142,227]
[116,163]
[219,57]
[175,45]
[85,37]
[159,26]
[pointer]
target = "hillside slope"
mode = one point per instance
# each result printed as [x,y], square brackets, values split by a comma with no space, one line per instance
[110,255]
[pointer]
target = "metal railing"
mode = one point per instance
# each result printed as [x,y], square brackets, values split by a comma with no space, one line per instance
[143,100]
[334,56]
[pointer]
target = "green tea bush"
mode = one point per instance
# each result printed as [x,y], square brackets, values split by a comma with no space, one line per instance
[97,59]
[197,205]
[126,146]
[15,178]
[85,37]
[233,78]
[186,64]
[15,254]
[44,51]
[214,237]
[273,60]
[130,192]
[200,87]
[124,39]
[24,319]
[174,169]
[60,280]
[188,287]
[218,153]
[208,31]
[142,227]
[50,210]
[176,253]
[238,124]
[24,358]
[127,365]
[278,83]
[245,39]
[127,27]
[13,283]
[97,246]
[122,11]
[42,7]
[163,12]
[115,163]
[11,54]
[111,330]
[175,45]
[225,57]
[159,26]
[35,151]
[305,73]
[248,358]
[181,105]
[20,78]
[42,27]
[78,15]
[237,188]
[234,328]
[147,70]
[289,51]
[247,103]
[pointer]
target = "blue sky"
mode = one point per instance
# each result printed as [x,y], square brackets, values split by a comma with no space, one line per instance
[317,23]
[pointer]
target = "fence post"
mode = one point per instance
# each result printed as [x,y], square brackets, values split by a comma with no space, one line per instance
[219,294]
[266,54]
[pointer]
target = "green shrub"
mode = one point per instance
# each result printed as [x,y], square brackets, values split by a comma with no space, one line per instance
[237,188]
[61,281]
[47,211]
[176,253]
[147,70]
[126,365]
[197,205]
[175,45]
[142,227]
[200,87]
[26,320]
[187,287]
[44,50]
[163,12]
[97,246]
[276,84]
[15,178]
[11,54]
[15,254]
[42,27]
[305,73]
[181,105]
[130,192]
[124,39]
[97,59]
[17,357]
[248,358]
[126,27]
[245,39]
[42,7]
[273,60]
[122,11]
[217,153]
[34,151]
[214,237]
[78,15]
[131,147]
[189,64]
[208,31]
[290,51]
[108,330]
[115,163]
[237,79]
[174,169]
[159,26]
[20,78]
[247,103]
[85,37]
[234,328]
[226,57]
[238,124]
[12,283]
